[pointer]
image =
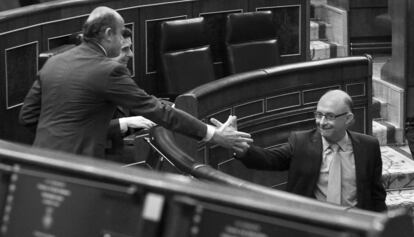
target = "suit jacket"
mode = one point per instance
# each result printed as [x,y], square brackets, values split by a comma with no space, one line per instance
[77,92]
[302,156]
[115,143]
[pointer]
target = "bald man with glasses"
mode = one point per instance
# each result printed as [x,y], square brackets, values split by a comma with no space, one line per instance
[329,163]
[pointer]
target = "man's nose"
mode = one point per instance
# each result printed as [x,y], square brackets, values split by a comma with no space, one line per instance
[323,120]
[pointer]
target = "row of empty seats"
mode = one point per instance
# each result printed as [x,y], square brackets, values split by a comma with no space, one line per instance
[186,59]
[186,56]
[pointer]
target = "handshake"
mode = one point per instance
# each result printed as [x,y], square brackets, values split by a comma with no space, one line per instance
[226,135]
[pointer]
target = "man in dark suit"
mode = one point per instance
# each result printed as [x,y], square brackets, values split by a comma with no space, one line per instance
[122,123]
[309,157]
[80,88]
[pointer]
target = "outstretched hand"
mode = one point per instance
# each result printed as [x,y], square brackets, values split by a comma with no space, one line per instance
[226,135]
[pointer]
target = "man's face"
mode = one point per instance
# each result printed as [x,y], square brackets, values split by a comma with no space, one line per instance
[116,40]
[126,52]
[333,130]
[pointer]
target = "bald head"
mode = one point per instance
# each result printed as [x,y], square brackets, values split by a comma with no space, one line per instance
[334,115]
[100,19]
[104,26]
[339,99]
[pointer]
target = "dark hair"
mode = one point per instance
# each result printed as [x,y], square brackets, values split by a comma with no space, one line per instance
[92,29]
[126,33]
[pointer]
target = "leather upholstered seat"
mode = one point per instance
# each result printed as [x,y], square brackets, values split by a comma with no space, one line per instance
[185,55]
[251,41]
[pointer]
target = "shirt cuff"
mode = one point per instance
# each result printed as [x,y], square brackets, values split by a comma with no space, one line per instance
[123,125]
[210,133]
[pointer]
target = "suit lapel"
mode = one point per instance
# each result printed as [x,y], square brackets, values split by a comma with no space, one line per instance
[315,153]
[359,154]
[360,157]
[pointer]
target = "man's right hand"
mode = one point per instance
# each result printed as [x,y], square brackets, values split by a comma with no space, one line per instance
[226,135]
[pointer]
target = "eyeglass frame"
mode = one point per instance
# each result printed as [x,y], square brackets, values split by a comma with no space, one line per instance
[328,116]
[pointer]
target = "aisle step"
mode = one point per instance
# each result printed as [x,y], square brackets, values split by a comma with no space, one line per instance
[398,177]
[328,31]
[384,131]
[401,198]
[323,50]
[320,30]
[397,168]
[379,108]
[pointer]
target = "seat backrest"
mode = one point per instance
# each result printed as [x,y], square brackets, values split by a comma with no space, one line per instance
[62,45]
[251,41]
[185,55]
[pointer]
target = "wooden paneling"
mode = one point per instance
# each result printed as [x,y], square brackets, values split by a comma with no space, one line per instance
[287,21]
[57,33]
[363,23]
[368,3]
[250,109]
[292,21]
[366,32]
[284,101]
[215,18]
[19,57]
[215,22]
[21,69]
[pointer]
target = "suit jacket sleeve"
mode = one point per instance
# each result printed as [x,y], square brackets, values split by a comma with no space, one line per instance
[378,191]
[114,128]
[278,158]
[122,90]
[30,110]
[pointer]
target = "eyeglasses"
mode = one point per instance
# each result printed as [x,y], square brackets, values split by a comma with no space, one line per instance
[328,116]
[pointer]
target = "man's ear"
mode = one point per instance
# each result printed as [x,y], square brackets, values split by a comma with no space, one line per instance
[108,32]
[350,118]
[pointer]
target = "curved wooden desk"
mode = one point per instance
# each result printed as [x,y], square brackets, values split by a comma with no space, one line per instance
[45,193]
[269,104]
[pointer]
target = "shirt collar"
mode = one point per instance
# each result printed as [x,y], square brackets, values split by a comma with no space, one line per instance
[343,144]
[102,48]
[95,42]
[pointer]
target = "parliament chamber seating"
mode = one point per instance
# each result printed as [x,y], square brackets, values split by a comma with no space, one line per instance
[44,193]
[251,41]
[186,60]
[45,27]
[269,103]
